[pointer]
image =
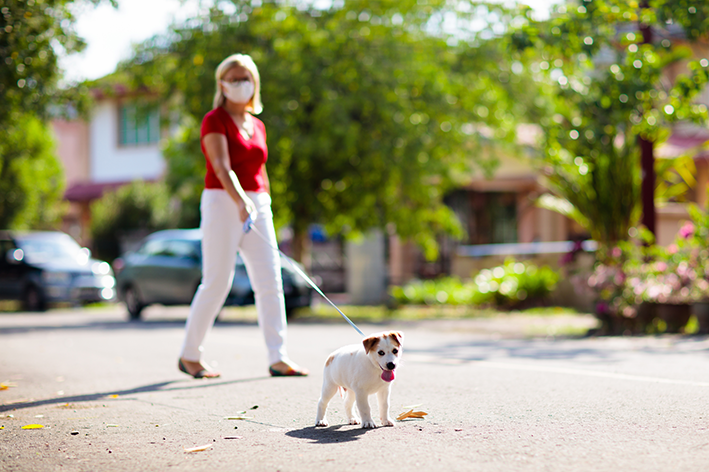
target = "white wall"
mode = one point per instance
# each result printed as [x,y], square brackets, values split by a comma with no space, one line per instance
[113,163]
[366,269]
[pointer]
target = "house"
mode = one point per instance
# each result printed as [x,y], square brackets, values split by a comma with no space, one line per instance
[119,143]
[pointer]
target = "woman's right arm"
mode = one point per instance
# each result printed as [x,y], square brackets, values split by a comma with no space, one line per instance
[215,144]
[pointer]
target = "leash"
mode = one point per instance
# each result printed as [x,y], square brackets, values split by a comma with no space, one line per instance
[249,225]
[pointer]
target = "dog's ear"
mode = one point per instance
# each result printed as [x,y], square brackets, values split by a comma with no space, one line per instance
[370,343]
[397,337]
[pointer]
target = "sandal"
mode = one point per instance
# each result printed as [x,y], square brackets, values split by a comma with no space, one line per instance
[289,372]
[201,374]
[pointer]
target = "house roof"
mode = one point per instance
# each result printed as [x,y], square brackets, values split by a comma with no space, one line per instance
[87,191]
[685,140]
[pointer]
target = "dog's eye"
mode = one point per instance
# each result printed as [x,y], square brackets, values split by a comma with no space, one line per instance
[395,351]
[381,353]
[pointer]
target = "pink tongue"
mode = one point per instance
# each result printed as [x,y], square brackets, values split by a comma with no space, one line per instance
[388,375]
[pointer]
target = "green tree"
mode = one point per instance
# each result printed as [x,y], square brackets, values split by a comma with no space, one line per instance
[368,123]
[31,178]
[602,83]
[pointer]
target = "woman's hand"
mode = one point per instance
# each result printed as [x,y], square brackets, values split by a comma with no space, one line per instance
[246,208]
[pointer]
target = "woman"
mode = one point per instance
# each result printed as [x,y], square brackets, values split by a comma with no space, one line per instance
[236,186]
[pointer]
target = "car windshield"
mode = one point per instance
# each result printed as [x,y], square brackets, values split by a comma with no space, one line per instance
[50,247]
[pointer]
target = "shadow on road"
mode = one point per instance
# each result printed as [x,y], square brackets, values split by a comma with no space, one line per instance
[585,350]
[121,394]
[508,348]
[329,435]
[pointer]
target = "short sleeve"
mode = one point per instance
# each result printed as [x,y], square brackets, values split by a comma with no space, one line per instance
[212,123]
[262,126]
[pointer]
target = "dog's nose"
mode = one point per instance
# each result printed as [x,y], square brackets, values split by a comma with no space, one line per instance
[391,366]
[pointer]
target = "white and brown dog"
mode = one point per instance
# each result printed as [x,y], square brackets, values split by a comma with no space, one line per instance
[362,370]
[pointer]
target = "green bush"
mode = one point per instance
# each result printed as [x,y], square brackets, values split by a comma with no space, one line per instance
[514,283]
[509,285]
[136,207]
[447,290]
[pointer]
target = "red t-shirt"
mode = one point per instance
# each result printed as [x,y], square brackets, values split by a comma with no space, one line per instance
[247,156]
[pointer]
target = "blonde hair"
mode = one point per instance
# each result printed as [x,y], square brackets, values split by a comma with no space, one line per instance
[245,61]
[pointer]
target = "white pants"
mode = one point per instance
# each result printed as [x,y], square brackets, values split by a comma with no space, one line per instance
[222,237]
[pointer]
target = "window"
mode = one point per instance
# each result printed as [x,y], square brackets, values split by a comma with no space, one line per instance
[171,248]
[502,217]
[139,124]
[488,217]
[155,247]
[183,249]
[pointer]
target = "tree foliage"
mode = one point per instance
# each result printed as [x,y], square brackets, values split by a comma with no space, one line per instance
[370,109]
[31,34]
[605,88]
[31,176]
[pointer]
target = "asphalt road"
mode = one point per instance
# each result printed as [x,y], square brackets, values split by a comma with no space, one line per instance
[109,397]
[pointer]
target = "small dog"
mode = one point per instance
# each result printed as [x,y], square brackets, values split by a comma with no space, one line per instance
[362,370]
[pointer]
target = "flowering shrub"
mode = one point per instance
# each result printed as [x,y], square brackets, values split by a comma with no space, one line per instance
[608,281]
[664,281]
[638,271]
[678,274]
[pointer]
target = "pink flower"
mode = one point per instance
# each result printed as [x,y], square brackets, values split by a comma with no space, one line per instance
[672,249]
[687,230]
[619,278]
[567,258]
[616,252]
[602,308]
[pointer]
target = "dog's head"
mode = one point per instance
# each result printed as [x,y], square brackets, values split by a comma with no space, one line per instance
[384,350]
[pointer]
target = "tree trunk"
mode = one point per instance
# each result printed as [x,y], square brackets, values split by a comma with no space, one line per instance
[647,159]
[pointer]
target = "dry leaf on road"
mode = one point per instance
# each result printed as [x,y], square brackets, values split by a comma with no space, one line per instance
[411,414]
[198,448]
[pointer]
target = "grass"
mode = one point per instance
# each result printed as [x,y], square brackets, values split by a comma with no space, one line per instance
[381,313]
[546,322]
[10,306]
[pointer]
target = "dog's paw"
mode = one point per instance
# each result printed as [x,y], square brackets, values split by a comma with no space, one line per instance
[388,422]
[368,424]
[323,422]
[355,421]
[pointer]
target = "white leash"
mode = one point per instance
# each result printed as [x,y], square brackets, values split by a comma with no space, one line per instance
[249,225]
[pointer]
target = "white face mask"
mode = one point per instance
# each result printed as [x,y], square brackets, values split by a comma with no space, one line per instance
[238,92]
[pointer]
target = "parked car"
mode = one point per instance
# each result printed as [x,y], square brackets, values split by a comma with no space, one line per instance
[167,269]
[41,267]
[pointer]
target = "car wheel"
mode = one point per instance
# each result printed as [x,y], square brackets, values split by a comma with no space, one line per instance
[133,303]
[32,300]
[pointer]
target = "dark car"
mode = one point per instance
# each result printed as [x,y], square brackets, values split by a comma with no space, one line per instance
[41,267]
[167,269]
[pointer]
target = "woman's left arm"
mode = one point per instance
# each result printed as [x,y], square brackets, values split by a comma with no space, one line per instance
[266,182]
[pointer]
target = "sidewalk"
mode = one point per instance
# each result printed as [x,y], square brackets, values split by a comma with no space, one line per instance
[110,397]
